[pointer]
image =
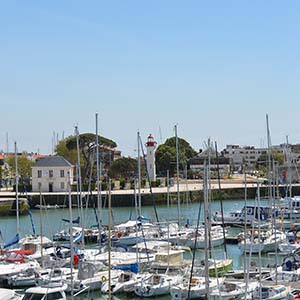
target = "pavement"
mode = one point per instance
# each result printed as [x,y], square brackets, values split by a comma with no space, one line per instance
[190,185]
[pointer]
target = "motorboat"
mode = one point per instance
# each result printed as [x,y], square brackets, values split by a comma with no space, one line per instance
[52,291]
[156,285]
[8,294]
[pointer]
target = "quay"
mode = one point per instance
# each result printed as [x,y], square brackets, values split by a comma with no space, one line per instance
[190,191]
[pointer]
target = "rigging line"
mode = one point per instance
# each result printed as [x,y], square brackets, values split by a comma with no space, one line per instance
[194,250]
[150,187]
[221,200]
[132,204]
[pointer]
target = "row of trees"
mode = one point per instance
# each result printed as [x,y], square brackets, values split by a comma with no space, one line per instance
[124,167]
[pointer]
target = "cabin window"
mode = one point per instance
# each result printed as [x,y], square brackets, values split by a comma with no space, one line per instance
[62,173]
[50,173]
[54,296]
[30,296]
[39,173]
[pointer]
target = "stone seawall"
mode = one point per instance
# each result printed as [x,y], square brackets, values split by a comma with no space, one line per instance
[127,200]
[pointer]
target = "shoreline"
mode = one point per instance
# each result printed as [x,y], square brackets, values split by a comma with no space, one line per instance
[192,192]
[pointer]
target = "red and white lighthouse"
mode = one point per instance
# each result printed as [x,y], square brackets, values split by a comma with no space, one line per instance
[151,145]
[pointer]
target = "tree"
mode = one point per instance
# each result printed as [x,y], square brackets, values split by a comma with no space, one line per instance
[262,162]
[69,155]
[275,156]
[87,148]
[24,166]
[124,167]
[165,155]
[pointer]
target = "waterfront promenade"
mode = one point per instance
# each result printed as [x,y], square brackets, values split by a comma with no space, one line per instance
[184,186]
[190,190]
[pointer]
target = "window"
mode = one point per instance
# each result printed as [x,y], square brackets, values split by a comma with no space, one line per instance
[62,173]
[32,296]
[50,173]
[39,173]
[62,185]
[54,296]
[40,186]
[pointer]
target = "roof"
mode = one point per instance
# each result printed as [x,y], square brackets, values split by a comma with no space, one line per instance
[52,161]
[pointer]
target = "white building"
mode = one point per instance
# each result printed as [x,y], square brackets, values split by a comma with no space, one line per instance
[50,174]
[217,166]
[246,155]
[151,145]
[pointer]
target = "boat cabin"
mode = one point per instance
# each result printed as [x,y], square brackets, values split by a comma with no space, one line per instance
[53,292]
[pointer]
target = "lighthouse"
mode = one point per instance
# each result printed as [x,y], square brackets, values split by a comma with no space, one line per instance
[151,145]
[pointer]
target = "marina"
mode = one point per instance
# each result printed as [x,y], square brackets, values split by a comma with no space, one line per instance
[52,222]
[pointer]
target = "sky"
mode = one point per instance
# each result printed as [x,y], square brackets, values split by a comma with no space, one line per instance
[214,68]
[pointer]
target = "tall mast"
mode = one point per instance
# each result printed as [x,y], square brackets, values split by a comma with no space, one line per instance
[221,201]
[71,235]
[245,224]
[269,157]
[208,223]
[206,228]
[168,189]
[79,183]
[177,171]
[99,183]
[288,154]
[17,188]
[139,175]
[109,239]
[6,163]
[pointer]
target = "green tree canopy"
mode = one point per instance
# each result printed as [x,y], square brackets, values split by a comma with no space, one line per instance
[69,155]
[87,147]
[124,167]
[262,162]
[24,166]
[165,155]
[278,157]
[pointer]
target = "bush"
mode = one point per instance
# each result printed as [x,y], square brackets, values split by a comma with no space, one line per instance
[122,183]
[23,187]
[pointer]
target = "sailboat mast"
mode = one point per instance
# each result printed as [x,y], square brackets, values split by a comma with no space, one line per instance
[71,234]
[206,227]
[41,225]
[6,162]
[79,183]
[209,195]
[269,157]
[245,225]
[259,238]
[99,184]
[17,188]
[177,171]
[136,224]
[221,201]
[168,189]
[109,240]
[139,175]
[289,166]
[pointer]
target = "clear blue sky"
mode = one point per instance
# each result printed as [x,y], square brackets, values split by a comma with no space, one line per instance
[213,67]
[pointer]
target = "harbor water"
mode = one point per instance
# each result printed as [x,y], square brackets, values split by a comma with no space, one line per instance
[49,221]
